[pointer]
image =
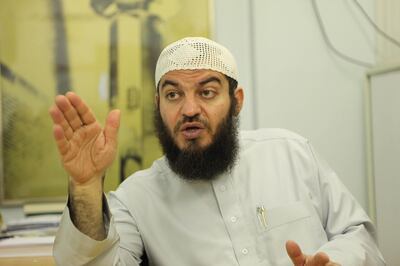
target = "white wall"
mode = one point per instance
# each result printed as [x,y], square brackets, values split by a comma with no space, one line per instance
[296,81]
[232,28]
[385,126]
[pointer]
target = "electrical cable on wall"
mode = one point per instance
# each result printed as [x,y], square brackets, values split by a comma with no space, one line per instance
[329,43]
[376,27]
[335,50]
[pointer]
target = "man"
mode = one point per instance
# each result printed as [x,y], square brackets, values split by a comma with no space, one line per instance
[217,197]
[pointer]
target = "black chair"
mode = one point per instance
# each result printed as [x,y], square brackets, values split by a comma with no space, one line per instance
[145,260]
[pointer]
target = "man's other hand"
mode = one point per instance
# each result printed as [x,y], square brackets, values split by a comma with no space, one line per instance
[300,259]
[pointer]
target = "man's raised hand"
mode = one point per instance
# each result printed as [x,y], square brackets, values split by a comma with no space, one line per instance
[86,149]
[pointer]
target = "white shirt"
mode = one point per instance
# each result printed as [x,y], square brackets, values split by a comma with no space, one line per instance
[222,222]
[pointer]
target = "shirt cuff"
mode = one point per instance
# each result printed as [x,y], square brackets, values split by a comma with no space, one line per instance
[72,247]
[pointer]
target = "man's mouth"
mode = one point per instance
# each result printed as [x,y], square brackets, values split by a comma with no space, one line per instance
[192,130]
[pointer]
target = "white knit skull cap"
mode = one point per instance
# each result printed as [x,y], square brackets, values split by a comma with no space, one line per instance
[195,53]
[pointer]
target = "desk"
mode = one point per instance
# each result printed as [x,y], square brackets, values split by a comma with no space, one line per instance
[21,254]
[24,261]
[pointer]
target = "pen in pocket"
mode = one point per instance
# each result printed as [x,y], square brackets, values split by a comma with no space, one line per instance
[262,216]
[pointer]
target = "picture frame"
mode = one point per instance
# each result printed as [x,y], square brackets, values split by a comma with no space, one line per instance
[104,51]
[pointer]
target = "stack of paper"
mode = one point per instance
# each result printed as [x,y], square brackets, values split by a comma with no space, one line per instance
[26,246]
[32,236]
[40,225]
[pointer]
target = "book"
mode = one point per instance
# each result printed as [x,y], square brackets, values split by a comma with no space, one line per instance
[43,208]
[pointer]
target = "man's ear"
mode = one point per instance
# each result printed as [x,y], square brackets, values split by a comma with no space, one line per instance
[239,96]
[157,101]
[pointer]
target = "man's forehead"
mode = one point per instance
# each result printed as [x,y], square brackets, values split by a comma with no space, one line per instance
[192,75]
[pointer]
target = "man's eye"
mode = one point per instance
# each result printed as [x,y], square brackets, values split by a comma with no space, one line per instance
[173,95]
[208,94]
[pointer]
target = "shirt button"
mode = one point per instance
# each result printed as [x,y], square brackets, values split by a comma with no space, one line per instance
[233,219]
[222,188]
[245,251]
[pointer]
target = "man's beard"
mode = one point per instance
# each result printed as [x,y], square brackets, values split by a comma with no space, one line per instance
[201,163]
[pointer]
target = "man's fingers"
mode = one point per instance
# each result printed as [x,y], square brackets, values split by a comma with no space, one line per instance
[83,110]
[58,119]
[332,264]
[300,259]
[112,126]
[295,253]
[319,259]
[69,112]
[61,141]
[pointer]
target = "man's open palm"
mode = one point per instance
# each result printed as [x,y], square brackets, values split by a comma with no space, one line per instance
[86,149]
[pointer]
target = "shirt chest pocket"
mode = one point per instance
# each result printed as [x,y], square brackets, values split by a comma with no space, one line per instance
[296,221]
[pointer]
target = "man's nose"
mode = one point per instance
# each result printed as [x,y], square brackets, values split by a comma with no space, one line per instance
[190,107]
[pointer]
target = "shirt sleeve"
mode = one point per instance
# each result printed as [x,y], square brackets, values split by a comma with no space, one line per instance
[73,248]
[351,234]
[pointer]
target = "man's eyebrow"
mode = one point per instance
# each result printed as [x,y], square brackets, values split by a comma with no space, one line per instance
[210,79]
[169,82]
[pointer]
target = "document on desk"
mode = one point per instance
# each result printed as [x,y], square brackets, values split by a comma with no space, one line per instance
[34,223]
[26,246]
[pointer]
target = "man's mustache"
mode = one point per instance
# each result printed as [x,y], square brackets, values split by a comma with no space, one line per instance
[188,119]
